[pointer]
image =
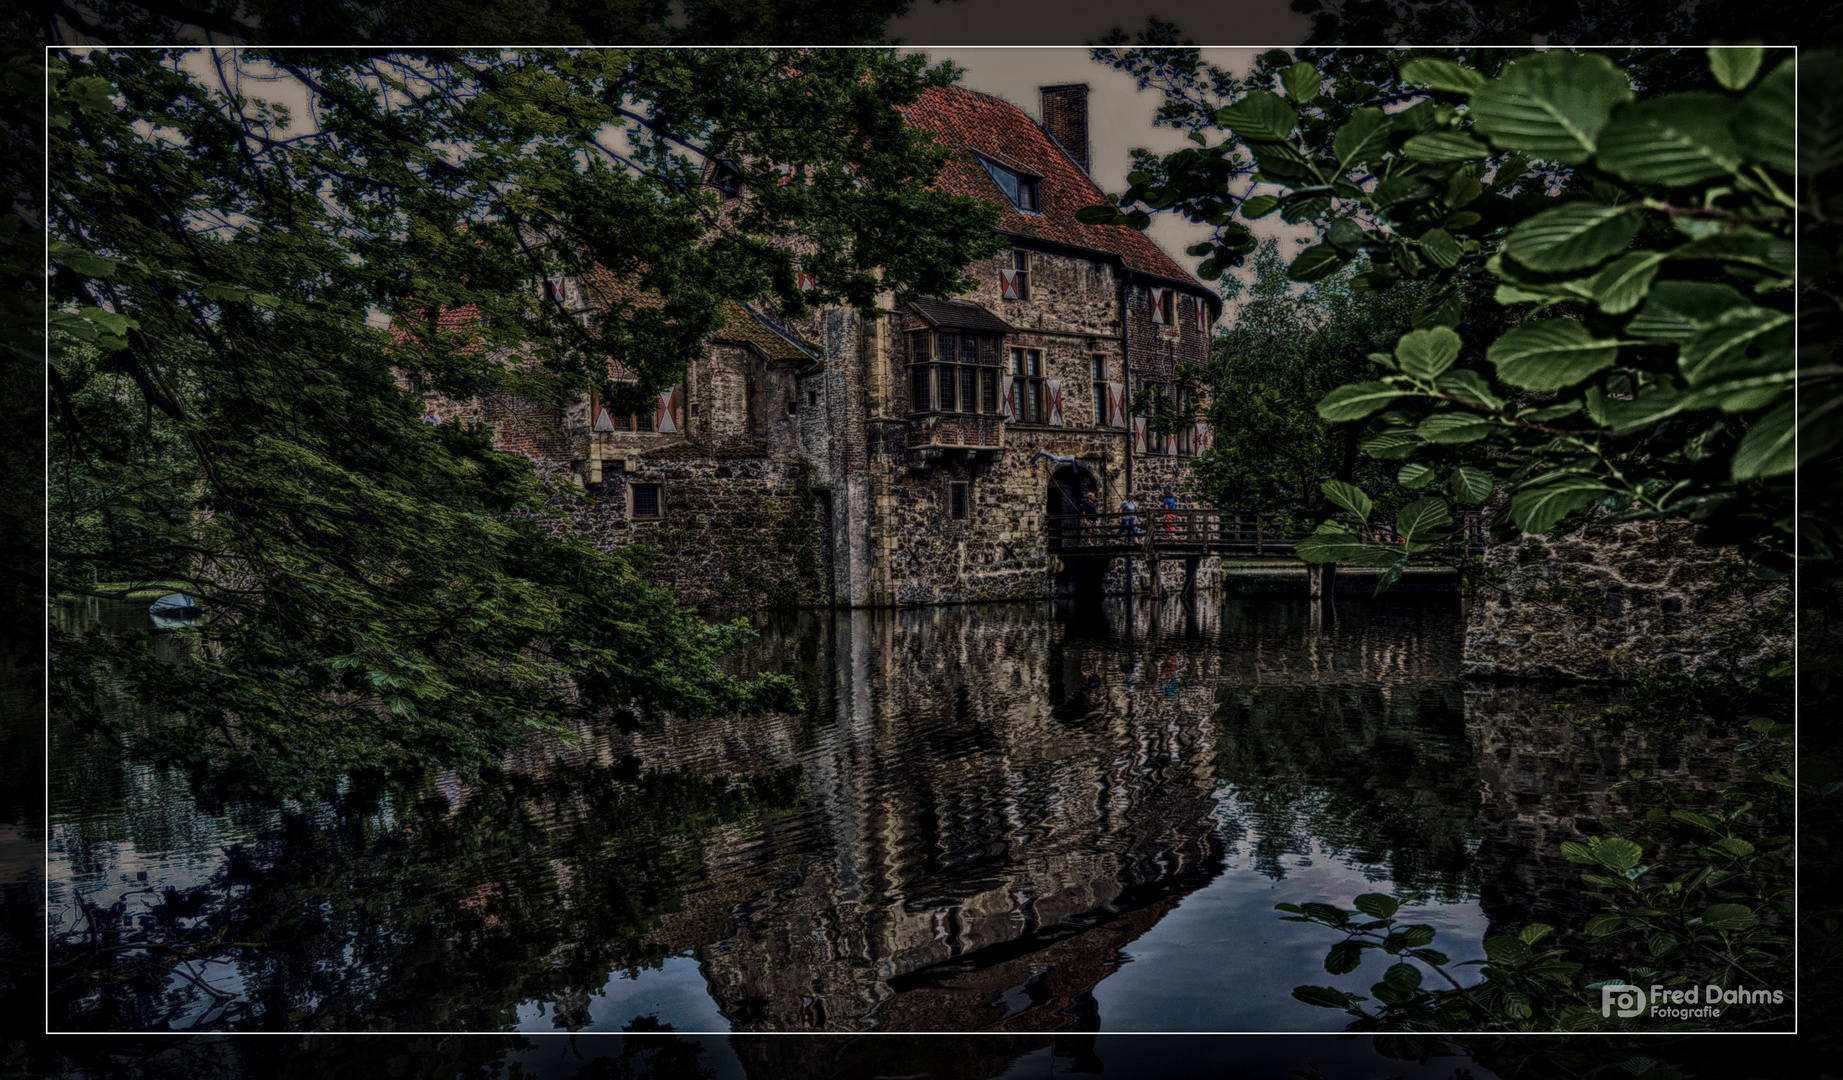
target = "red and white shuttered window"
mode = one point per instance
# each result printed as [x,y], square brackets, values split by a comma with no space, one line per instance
[664,418]
[1203,438]
[804,279]
[1161,304]
[1014,283]
[1141,434]
[1199,314]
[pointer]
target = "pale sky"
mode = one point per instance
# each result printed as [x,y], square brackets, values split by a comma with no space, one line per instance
[1244,23]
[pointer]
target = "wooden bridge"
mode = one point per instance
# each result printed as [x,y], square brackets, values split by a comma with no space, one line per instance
[1190,535]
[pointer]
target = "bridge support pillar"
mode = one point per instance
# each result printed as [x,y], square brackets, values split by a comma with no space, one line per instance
[1320,580]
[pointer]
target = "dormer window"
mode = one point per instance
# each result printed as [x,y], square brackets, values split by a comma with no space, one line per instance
[728,180]
[1020,188]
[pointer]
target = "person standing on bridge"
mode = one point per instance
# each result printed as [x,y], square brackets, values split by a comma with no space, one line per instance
[1090,517]
[1129,518]
[1170,514]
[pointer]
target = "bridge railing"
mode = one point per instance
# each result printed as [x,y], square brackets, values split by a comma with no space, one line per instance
[1212,531]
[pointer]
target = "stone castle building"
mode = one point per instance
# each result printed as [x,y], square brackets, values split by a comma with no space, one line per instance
[853,461]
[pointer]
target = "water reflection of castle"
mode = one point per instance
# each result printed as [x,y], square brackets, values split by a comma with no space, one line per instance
[1005,803]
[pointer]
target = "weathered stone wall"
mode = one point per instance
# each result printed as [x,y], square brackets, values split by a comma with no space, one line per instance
[1610,602]
[1156,350]
[1545,780]
[735,530]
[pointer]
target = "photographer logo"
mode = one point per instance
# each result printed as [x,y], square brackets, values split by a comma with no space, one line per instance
[1622,999]
[1688,1003]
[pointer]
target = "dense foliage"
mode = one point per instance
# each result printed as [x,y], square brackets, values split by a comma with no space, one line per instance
[225,230]
[1635,352]
[1285,348]
[1611,302]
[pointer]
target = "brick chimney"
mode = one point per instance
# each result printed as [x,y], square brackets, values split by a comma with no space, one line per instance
[1065,117]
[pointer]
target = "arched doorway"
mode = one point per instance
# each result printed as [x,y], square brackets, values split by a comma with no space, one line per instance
[1067,485]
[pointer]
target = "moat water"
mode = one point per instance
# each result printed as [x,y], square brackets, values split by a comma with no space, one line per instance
[1020,817]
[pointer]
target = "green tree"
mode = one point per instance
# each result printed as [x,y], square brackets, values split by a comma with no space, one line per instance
[378,592]
[1287,347]
[419,22]
[1638,248]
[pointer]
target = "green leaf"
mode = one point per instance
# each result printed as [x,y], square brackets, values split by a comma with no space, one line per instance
[1446,146]
[1098,215]
[1573,236]
[1468,484]
[1402,189]
[1257,206]
[1675,310]
[1535,932]
[1315,262]
[1550,354]
[1743,341]
[1508,951]
[1416,475]
[1343,958]
[1423,517]
[1443,311]
[1377,905]
[1616,852]
[1396,568]
[1454,428]
[1443,75]
[1296,208]
[1602,925]
[1676,141]
[1327,548]
[1350,497]
[1363,136]
[1470,386]
[1261,116]
[1303,82]
[1346,234]
[1551,105]
[1734,66]
[1623,284]
[1785,130]
[1440,248]
[1539,509]
[1417,936]
[1323,996]
[1770,447]
[1403,977]
[1424,354]
[1729,917]
[1733,847]
[84,263]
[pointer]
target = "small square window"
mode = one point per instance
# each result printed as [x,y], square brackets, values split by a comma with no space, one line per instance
[792,407]
[957,500]
[646,500]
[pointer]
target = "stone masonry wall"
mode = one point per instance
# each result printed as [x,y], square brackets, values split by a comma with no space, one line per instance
[734,532]
[1609,602]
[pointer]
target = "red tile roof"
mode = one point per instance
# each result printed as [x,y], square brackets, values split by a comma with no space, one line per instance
[972,122]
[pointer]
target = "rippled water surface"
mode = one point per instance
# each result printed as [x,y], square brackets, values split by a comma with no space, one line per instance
[1012,817]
